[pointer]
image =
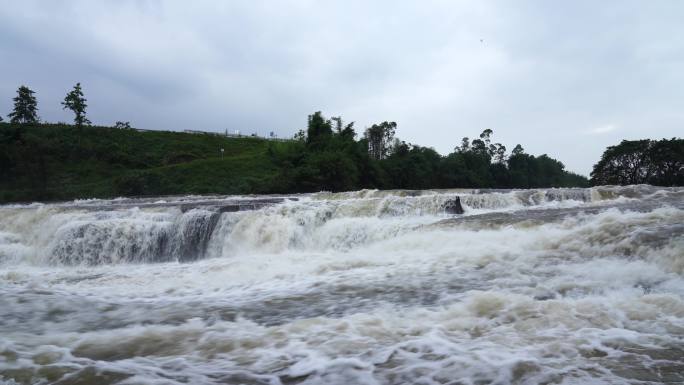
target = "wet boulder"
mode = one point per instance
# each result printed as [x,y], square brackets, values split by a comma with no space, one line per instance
[453,206]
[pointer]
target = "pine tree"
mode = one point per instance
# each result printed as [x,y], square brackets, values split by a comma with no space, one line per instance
[75,101]
[25,107]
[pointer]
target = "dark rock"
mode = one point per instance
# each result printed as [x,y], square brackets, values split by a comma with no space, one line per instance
[453,206]
[233,205]
[545,297]
[229,208]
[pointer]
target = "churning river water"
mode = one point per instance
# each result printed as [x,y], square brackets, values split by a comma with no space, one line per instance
[548,286]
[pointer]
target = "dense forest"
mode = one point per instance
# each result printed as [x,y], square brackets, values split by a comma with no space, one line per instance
[327,156]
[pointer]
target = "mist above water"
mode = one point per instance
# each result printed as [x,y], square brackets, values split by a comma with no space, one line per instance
[366,287]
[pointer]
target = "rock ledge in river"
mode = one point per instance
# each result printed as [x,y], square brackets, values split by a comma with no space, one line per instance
[453,206]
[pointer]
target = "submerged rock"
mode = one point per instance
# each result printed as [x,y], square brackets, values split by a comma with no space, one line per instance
[453,206]
[234,205]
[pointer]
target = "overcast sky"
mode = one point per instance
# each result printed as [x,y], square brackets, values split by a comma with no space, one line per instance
[565,78]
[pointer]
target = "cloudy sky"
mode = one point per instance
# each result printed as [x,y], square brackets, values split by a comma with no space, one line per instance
[563,78]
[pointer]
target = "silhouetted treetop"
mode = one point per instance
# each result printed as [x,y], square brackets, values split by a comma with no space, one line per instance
[75,101]
[25,107]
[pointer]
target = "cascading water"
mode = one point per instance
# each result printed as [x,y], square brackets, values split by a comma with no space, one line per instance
[567,286]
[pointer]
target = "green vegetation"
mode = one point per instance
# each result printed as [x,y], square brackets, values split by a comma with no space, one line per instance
[76,102]
[656,162]
[54,162]
[40,161]
[25,107]
[327,159]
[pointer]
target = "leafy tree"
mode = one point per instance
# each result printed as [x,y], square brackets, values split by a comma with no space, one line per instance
[328,171]
[501,177]
[338,123]
[465,145]
[499,151]
[482,146]
[325,157]
[75,101]
[343,130]
[122,125]
[528,171]
[379,137]
[413,167]
[479,146]
[25,107]
[520,166]
[485,136]
[318,129]
[300,136]
[517,150]
[641,161]
[667,162]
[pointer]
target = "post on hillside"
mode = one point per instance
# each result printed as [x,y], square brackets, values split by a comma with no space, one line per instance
[222,150]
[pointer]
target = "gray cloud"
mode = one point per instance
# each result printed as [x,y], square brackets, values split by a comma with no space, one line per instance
[563,78]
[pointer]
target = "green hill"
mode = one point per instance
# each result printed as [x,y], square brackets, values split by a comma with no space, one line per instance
[54,162]
[62,162]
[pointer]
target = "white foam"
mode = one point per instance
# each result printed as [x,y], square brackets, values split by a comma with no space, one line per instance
[370,287]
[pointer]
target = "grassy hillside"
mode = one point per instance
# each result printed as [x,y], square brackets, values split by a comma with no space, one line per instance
[62,162]
[52,162]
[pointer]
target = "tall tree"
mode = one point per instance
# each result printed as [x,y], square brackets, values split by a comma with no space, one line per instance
[75,101]
[318,130]
[127,125]
[486,137]
[348,131]
[518,150]
[657,162]
[483,146]
[479,147]
[338,123]
[380,138]
[25,107]
[465,145]
[499,152]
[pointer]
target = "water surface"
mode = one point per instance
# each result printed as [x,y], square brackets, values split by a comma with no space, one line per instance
[553,286]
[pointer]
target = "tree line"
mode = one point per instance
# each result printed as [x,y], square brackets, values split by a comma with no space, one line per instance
[656,162]
[25,109]
[327,156]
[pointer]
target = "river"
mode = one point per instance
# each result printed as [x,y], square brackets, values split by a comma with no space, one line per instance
[547,286]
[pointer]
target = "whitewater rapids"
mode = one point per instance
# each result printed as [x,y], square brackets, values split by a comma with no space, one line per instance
[548,286]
